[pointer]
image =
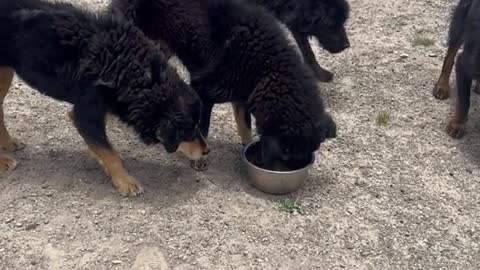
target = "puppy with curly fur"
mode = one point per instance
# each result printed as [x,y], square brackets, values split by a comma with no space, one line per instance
[322,19]
[100,65]
[237,52]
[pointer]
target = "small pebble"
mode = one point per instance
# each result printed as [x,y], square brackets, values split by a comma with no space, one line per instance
[360,183]
[403,55]
[31,226]
[117,262]
[19,224]
[432,55]
[9,220]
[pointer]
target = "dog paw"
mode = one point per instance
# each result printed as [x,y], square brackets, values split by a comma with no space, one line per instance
[199,164]
[128,186]
[456,130]
[7,163]
[12,145]
[441,91]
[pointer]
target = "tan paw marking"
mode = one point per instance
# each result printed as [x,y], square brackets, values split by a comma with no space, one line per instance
[127,185]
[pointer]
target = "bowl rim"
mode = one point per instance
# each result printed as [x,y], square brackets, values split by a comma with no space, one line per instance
[245,159]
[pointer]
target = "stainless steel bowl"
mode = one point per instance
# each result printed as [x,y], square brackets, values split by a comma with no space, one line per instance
[275,182]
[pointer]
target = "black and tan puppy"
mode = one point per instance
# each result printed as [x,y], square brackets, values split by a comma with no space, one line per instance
[322,19]
[456,38]
[467,69]
[100,65]
[237,52]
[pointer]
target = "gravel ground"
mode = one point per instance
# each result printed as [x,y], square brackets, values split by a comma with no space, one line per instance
[396,196]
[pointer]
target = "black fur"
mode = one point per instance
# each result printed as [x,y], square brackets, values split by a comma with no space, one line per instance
[99,65]
[457,23]
[244,57]
[322,19]
[466,18]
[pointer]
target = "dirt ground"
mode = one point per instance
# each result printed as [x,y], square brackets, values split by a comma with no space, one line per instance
[400,196]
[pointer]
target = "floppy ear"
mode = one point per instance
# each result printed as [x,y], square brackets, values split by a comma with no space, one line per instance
[167,136]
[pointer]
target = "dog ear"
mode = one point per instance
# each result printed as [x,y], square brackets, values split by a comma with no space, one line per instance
[168,137]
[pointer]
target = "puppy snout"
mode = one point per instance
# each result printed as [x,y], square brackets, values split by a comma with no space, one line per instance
[193,150]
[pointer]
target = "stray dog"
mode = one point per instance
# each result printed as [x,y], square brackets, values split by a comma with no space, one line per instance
[237,52]
[456,38]
[323,19]
[467,69]
[100,65]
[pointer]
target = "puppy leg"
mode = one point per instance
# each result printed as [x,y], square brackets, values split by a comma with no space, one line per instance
[456,126]
[7,142]
[442,87]
[244,122]
[90,123]
[320,73]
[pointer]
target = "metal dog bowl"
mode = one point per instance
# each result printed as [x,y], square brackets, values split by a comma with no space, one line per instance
[275,182]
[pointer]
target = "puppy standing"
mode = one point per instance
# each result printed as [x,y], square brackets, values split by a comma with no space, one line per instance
[237,52]
[467,69]
[322,19]
[99,65]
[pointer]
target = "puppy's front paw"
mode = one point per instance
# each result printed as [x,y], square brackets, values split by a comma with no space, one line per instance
[11,145]
[455,129]
[441,91]
[7,163]
[127,185]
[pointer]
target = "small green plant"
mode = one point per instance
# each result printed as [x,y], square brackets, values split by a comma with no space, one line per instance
[421,40]
[292,206]
[383,118]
